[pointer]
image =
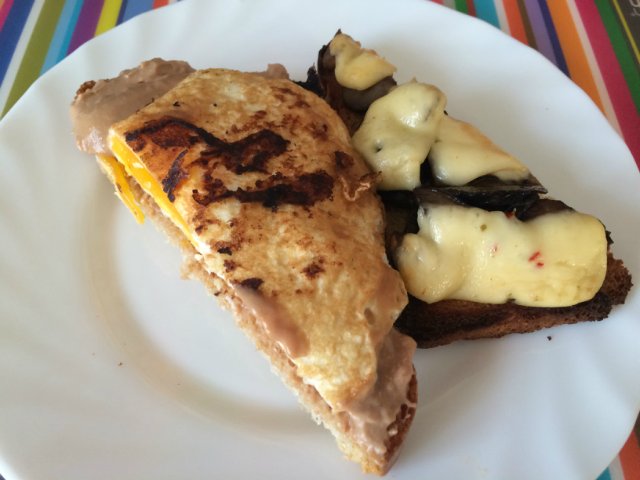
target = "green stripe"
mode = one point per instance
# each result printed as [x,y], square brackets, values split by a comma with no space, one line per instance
[35,52]
[629,67]
[461,6]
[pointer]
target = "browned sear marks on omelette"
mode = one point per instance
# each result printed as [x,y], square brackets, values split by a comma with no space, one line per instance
[253,283]
[249,154]
[230,265]
[303,190]
[320,132]
[343,160]
[223,248]
[175,175]
[313,269]
[167,132]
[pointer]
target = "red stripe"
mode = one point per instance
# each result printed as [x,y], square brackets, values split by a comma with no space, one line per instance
[472,8]
[614,80]
[4,12]
[630,458]
[160,3]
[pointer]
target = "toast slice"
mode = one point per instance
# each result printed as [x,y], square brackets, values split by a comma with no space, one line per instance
[433,323]
[453,320]
[255,179]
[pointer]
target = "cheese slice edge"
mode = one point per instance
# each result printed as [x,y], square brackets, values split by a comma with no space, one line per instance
[134,168]
[118,176]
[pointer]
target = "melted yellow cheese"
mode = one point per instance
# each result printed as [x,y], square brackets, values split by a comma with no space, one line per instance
[115,172]
[408,126]
[398,131]
[356,67]
[555,260]
[462,153]
[149,184]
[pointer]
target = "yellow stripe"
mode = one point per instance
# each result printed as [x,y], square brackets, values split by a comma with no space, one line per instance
[108,16]
[627,30]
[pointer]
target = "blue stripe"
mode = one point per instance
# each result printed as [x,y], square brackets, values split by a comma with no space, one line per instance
[605,475]
[10,33]
[553,37]
[123,7]
[64,51]
[486,10]
[62,36]
[136,7]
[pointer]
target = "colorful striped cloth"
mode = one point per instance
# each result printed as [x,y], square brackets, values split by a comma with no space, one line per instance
[37,34]
[594,42]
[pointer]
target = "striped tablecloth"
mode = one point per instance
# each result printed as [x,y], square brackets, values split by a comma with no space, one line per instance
[594,42]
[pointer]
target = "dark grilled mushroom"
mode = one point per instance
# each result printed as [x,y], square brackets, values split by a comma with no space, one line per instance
[360,100]
[489,193]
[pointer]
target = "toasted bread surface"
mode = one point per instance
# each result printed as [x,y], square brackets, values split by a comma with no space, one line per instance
[448,321]
[308,396]
[278,217]
[264,173]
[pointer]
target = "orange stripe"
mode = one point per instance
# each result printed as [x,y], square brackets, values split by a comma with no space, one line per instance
[159,3]
[516,26]
[630,458]
[572,49]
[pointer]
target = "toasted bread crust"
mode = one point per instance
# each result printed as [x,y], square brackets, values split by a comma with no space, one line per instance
[448,321]
[308,396]
[263,173]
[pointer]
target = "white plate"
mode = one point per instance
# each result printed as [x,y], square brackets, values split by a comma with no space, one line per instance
[111,366]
